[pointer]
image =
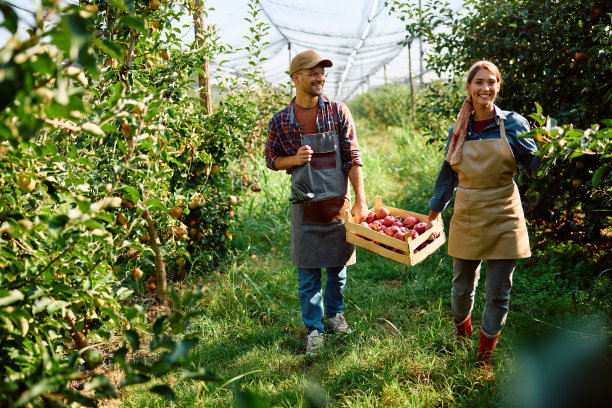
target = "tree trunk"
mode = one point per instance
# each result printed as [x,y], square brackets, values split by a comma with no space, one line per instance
[411,81]
[161,290]
[203,79]
[80,339]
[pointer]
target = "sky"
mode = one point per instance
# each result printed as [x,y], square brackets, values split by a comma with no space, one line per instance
[359,36]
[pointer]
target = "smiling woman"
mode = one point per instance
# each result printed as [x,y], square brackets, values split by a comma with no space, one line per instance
[488,221]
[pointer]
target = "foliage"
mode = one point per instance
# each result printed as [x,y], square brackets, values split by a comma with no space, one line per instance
[388,105]
[574,151]
[402,352]
[436,106]
[574,38]
[111,167]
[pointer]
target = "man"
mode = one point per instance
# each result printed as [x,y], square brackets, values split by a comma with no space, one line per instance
[314,140]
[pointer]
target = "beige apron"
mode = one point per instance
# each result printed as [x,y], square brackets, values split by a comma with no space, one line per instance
[488,220]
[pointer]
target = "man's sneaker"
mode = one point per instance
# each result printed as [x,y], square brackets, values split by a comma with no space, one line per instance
[339,324]
[315,342]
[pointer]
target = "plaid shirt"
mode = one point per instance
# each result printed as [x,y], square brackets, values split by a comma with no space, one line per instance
[285,133]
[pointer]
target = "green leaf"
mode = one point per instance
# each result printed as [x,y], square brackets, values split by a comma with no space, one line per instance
[10,18]
[56,305]
[164,391]
[10,297]
[153,204]
[40,305]
[599,174]
[134,196]
[133,338]
[110,48]
[133,23]
[538,109]
[59,221]
[158,325]
[181,349]
[133,378]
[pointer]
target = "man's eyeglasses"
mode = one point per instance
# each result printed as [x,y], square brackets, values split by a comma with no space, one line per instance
[314,74]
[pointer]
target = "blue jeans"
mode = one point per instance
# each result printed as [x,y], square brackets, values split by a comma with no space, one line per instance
[312,301]
[497,287]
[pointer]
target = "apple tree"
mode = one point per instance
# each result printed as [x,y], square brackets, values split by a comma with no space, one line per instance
[554,53]
[108,155]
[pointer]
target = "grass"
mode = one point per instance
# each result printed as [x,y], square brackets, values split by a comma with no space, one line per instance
[403,351]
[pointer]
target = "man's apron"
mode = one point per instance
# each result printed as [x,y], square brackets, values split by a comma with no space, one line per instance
[488,220]
[318,236]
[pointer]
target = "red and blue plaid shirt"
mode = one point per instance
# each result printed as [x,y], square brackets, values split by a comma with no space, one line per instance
[285,133]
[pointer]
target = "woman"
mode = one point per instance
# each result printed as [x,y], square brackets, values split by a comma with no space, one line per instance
[488,221]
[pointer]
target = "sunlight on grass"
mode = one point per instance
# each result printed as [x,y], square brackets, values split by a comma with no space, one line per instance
[403,351]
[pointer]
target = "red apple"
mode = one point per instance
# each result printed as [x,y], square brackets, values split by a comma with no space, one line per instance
[421,227]
[400,235]
[596,13]
[365,224]
[398,224]
[389,220]
[413,234]
[383,229]
[410,221]
[399,218]
[371,217]
[391,231]
[176,212]
[375,225]
[382,212]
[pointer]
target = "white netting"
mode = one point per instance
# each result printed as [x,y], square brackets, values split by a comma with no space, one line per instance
[359,36]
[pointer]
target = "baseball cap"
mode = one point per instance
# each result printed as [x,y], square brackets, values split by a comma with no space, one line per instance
[307,59]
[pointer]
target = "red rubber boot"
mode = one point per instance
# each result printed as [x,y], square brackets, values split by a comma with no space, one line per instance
[487,345]
[464,329]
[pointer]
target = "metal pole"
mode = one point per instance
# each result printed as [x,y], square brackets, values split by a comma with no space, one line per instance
[289,67]
[385,72]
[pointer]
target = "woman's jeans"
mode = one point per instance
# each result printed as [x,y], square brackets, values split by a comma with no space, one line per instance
[498,285]
[312,301]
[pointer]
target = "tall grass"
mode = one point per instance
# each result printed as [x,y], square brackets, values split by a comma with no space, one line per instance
[403,351]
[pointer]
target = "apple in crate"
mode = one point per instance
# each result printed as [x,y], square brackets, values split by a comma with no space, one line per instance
[382,212]
[389,220]
[421,227]
[410,221]
[371,217]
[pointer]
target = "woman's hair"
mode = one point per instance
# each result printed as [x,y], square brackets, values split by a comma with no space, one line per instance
[453,156]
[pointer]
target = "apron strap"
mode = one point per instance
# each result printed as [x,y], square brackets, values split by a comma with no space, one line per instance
[502,135]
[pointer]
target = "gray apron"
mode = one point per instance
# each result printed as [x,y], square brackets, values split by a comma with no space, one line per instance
[318,236]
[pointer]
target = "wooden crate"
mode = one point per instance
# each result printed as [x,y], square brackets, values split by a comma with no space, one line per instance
[356,234]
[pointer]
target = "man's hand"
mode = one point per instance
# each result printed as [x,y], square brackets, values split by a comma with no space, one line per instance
[303,155]
[432,221]
[359,211]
